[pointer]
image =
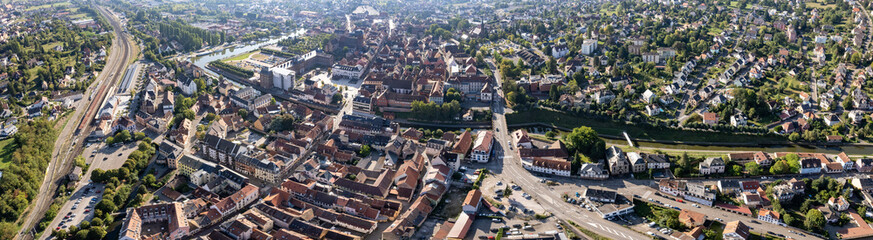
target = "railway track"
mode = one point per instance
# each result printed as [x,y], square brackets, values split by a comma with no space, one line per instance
[114,77]
[70,141]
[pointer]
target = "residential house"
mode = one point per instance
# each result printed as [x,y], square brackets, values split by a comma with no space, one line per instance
[712,165]
[810,166]
[656,161]
[839,204]
[735,230]
[638,164]
[593,171]
[769,216]
[482,146]
[618,163]
[728,187]
[699,193]
[472,201]
[691,218]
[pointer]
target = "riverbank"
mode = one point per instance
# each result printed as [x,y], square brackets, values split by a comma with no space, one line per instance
[612,136]
[234,50]
[638,132]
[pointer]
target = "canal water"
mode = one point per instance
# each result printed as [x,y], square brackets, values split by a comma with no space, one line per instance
[202,61]
[865,149]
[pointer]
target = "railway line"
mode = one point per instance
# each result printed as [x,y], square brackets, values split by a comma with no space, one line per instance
[114,77]
[70,141]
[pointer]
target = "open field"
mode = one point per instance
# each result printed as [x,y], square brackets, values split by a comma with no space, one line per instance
[819,5]
[240,57]
[47,6]
[7,146]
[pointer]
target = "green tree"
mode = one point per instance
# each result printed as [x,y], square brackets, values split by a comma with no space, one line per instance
[753,168]
[856,58]
[736,170]
[82,234]
[149,180]
[96,222]
[551,134]
[554,93]
[794,137]
[336,99]
[123,136]
[96,233]
[684,163]
[452,95]
[710,234]
[847,103]
[139,136]
[585,140]
[780,167]
[789,219]
[814,220]
[8,230]
[793,161]
[209,117]
[551,66]
[365,151]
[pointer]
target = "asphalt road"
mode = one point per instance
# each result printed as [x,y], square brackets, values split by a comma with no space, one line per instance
[68,145]
[550,200]
[508,164]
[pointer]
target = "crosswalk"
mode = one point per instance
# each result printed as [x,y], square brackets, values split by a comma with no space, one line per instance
[647,194]
[610,230]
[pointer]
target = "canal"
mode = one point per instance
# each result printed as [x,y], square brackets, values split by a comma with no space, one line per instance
[854,150]
[202,61]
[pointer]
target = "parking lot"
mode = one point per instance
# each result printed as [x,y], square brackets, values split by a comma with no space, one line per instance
[80,207]
[107,157]
[521,210]
[484,227]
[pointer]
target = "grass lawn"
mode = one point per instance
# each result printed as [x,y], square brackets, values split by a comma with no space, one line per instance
[818,5]
[560,119]
[718,227]
[243,56]
[135,47]
[51,46]
[643,209]
[78,16]
[6,149]
[450,207]
[47,6]
[695,154]
[715,31]
[759,236]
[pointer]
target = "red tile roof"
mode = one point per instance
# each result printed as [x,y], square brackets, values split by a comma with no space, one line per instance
[464,143]
[473,197]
